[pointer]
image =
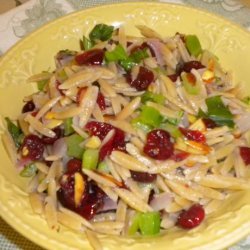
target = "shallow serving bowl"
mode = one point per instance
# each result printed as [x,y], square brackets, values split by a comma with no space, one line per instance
[35,53]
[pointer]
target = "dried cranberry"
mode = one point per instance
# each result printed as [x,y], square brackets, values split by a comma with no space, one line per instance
[144,78]
[99,129]
[116,142]
[192,217]
[158,145]
[66,193]
[245,154]
[101,101]
[188,66]
[193,135]
[28,107]
[92,198]
[209,123]
[50,140]
[143,177]
[90,206]
[173,77]
[74,165]
[32,147]
[90,57]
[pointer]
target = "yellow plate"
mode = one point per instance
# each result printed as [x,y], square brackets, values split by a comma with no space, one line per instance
[35,53]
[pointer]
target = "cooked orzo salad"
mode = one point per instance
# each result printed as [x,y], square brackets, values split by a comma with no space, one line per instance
[132,135]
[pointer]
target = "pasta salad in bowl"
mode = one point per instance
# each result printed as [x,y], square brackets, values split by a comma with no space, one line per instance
[132,136]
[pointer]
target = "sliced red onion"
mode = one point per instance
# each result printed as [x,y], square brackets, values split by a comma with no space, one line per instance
[109,204]
[59,147]
[161,201]
[64,57]
[243,122]
[156,47]
[22,163]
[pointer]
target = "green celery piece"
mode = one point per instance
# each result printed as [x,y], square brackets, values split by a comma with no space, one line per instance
[134,227]
[149,223]
[115,55]
[101,32]
[61,74]
[136,122]
[73,148]
[29,170]
[139,55]
[41,84]
[90,159]
[193,45]
[86,43]
[14,131]
[171,129]
[68,130]
[150,116]
[150,96]
[103,167]
[218,112]
[189,86]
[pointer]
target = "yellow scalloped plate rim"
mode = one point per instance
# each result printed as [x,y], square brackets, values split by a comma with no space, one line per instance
[35,53]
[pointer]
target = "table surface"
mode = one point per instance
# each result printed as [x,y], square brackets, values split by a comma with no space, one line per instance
[235,10]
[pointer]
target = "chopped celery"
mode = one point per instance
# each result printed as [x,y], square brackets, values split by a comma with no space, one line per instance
[149,223]
[90,159]
[73,147]
[68,130]
[189,83]
[41,84]
[101,32]
[29,170]
[15,132]
[86,44]
[134,227]
[150,116]
[103,167]
[150,96]
[139,55]
[117,54]
[193,45]
[173,130]
[137,123]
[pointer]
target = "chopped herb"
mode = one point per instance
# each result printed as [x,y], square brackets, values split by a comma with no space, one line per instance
[218,112]
[134,59]
[117,54]
[101,32]
[86,44]
[246,100]
[15,132]
[29,170]
[41,84]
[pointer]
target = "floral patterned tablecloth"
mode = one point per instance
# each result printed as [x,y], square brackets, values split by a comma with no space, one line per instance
[31,14]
